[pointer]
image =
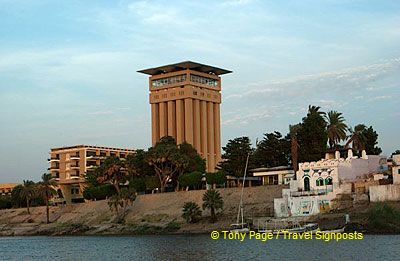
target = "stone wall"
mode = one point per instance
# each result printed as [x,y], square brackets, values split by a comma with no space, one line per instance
[384,193]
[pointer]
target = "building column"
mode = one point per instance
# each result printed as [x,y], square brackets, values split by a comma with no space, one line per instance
[203,130]
[155,124]
[217,133]
[163,119]
[196,125]
[171,119]
[210,136]
[180,122]
[189,121]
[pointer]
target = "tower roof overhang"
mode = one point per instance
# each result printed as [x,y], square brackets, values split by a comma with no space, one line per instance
[184,66]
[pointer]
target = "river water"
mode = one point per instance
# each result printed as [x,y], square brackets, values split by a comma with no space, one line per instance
[195,247]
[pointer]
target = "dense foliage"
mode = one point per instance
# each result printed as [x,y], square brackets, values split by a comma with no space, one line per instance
[213,201]
[191,212]
[192,179]
[383,218]
[216,178]
[235,156]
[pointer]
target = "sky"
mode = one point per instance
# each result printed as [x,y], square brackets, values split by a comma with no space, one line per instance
[68,69]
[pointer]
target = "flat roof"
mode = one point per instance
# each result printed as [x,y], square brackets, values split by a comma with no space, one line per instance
[183,66]
[272,169]
[90,146]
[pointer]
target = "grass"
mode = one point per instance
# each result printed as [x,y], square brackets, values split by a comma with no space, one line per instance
[383,218]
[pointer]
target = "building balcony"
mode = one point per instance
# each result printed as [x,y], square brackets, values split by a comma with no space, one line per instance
[314,192]
[75,167]
[74,157]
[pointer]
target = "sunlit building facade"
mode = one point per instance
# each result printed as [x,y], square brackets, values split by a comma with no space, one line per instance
[185,103]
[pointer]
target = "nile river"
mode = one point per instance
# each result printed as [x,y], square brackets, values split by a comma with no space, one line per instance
[195,247]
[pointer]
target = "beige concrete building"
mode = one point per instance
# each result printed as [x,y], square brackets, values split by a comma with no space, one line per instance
[69,166]
[6,188]
[185,103]
[281,175]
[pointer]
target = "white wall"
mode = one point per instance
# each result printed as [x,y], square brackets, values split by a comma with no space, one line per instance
[384,193]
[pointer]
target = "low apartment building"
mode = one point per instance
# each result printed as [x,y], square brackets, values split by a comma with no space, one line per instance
[6,188]
[69,166]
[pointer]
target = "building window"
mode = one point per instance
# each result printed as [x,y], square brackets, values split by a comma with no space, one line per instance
[271,180]
[306,184]
[204,80]
[328,181]
[320,182]
[169,80]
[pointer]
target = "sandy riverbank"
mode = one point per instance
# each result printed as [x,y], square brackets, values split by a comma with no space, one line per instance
[157,214]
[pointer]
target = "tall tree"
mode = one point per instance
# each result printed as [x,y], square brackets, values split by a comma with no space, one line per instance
[46,191]
[273,150]
[294,144]
[371,141]
[357,138]
[167,160]
[235,156]
[363,138]
[112,171]
[195,161]
[312,135]
[336,128]
[136,164]
[396,152]
[28,192]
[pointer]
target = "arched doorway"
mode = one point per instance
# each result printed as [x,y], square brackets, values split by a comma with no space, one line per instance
[306,184]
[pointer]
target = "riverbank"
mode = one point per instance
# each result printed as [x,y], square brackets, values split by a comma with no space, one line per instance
[161,214]
[149,214]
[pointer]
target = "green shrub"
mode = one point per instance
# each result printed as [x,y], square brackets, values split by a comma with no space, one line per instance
[5,202]
[191,212]
[383,218]
[138,184]
[152,182]
[217,178]
[192,179]
[99,192]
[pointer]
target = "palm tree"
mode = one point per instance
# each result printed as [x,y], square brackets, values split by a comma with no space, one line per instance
[357,138]
[336,128]
[293,131]
[212,200]
[314,110]
[191,212]
[46,190]
[28,192]
[115,202]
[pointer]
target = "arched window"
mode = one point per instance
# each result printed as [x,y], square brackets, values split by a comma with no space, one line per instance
[320,182]
[306,184]
[328,181]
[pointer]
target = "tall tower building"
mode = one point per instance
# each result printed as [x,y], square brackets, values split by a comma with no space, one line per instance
[185,103]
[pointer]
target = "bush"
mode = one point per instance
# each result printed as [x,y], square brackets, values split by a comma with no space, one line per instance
[191,212]
[138,184]
[99,192]
[217,178]
[5,202]
[192,179]
[383,218]
[152,182]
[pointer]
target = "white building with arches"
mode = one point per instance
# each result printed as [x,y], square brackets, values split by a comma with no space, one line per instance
[319,182]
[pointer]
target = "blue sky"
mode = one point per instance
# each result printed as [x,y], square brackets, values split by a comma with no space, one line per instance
[68,68]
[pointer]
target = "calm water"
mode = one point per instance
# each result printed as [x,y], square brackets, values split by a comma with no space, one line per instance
[198,247]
